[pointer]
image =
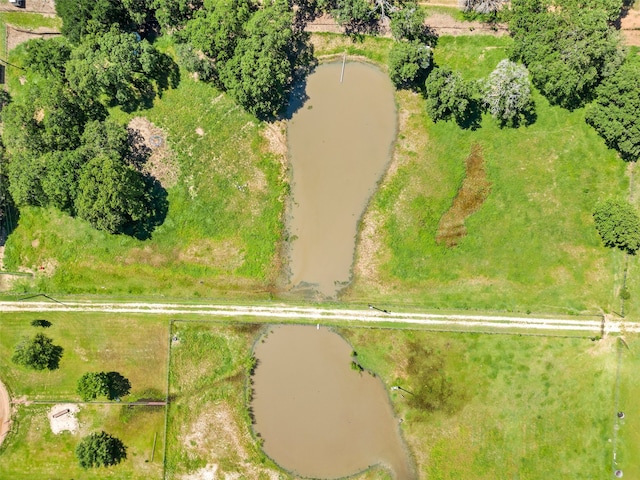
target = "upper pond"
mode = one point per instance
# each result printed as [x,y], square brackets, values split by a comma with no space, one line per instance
[317,416]
[340,142]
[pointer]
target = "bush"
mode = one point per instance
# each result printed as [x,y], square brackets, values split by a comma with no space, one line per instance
[618,225]
[100,449]
[38,353]
[100,384]
[409,63]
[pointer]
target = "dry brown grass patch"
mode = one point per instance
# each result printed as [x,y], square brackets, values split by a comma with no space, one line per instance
[162,163]
[470,197]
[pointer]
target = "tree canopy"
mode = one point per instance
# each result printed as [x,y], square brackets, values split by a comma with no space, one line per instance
[618,224]
[568,50]
[408,23]
[615,113]
[100,450]
[111,194]
[101,384]
[448,95]
[83,17]
[507,94]
[409,63]
[38,353]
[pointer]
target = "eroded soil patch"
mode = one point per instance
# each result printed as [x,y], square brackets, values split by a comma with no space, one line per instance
[470,197]
[161,162]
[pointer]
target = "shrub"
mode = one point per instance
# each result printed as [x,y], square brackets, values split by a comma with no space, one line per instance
[507,94]
[409,63]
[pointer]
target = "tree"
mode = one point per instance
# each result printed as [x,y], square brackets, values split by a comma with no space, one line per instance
[100,449]
[38,353]
[481,6]
[215,31]
[266,61]
[409,63]
[93,385]
[84,17]
[354,15]
[618,224]
[507,93]
[25,172]
[111,195]
[47,57]
[172,14]
[448,95]
[616,110]
[115,66]
[59,180]
[408,23]
[101,384]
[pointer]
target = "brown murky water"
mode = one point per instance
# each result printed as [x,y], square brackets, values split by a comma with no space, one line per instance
[339,144]
[317,416]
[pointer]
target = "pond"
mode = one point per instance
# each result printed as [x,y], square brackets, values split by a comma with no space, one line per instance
[340,143]
[317,416]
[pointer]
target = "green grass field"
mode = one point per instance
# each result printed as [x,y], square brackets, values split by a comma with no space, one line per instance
[223,227]
[483,406]
[133,346]
[33,451]
[531,246]
[502,407]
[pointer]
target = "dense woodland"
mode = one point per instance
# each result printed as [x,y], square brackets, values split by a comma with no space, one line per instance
[62,149]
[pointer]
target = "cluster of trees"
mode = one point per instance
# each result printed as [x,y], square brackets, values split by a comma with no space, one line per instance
[569,46]
[575,57]
[103,384]
[62,148]
[253,53]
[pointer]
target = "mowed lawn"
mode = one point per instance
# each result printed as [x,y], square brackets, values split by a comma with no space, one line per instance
[136,347]
[501,406]
[531,246]
[33,451]
[223,226]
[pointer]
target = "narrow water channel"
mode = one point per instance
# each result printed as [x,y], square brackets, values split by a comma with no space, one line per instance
[340,142]
[318,417]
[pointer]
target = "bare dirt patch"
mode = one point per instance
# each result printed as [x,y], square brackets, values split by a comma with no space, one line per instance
[62,417]
[16,36]
[440,23]
[630,27]
[44,7]
[470,197]
[162,162]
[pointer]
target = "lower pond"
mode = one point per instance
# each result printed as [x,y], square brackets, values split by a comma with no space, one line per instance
[317,416]
[340,142]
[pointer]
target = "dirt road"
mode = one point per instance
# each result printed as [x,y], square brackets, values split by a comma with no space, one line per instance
[329,315]
[5,412]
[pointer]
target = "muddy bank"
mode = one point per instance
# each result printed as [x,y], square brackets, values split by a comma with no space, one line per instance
[340,142]
[318,416]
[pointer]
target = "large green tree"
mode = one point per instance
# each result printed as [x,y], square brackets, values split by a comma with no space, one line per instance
[38,353]
[618,224]
[407,23]
[100,450]
[112,385]
[115,67]
[615,114]
[111,195]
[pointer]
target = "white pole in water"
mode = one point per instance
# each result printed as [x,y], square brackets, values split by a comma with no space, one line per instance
[344,59]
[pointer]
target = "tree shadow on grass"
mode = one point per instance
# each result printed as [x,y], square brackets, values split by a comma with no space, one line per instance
[472,117]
